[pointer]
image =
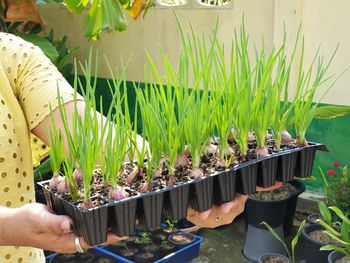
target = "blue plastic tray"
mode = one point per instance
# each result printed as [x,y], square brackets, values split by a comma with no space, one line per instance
[182,255]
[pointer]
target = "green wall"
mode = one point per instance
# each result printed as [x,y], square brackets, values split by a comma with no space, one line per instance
[333,133]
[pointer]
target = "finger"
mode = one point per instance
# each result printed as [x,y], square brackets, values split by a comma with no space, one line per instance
[225,208]
[205,214]
[52,223]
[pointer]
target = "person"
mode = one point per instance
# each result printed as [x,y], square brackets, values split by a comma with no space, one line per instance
[28,86]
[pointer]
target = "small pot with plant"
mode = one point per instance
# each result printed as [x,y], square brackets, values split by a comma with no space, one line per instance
[272,257]
[340,236]
[268,206]
[181,239]
[316,237]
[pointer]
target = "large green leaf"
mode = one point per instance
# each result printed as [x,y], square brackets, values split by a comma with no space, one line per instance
[48,49]
[330,112]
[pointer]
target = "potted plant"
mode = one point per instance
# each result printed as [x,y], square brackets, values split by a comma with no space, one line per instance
[268,206]
[271,257]
[340,235]
[315,237]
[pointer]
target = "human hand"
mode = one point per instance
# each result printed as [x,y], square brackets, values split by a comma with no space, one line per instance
[33,225]
[218,215]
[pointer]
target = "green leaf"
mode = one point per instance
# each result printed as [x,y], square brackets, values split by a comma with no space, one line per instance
[296,238]
[48,49]
[330,112]
[324,211]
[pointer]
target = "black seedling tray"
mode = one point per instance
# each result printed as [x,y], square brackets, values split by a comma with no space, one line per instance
[219,187]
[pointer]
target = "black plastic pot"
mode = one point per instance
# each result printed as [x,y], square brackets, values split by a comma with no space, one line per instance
[201,194]
[262,258]
[225,186]
[91,224]
[305,162]
[247,178]
[176,202]
[123,217]
[272,212]
[334,256]
[287,166]
[145,257]
[291,207]
[312,247]
[311,219]
[181,239]
[167,248]
[149,209]
[267,170]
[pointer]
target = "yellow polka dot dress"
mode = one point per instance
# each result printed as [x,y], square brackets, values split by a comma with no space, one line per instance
[28,85]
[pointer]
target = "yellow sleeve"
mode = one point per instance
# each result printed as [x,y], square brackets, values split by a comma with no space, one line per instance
[34,79]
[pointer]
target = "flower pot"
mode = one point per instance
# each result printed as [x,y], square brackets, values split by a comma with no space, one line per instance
[123,217]
[272,212]
[176,202]
[145,257]
[201,194]
[247,178]
[167,248]
[91,224]
[260,241]
[291,207]
[286,166]
[149,209]
[311,219]
[334,256]
[305,162]
[225,186]
[265,258]
[182,239]
[267,169]
[312,247]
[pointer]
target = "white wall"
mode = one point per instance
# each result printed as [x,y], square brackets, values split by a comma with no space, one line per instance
[324,23]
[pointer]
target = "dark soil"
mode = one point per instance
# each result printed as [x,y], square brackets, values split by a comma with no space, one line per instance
[89,257]
[274,259]
[343,260]
[274,195]
[321,236]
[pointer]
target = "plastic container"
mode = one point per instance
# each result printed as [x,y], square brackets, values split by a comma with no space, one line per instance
[247,178]
[95,252]
[312,247]
[176,202]
[184,254]
[286,167]
[267,170]
[291,207]
[201,195]
[243,178]
[225,186]
[334,256]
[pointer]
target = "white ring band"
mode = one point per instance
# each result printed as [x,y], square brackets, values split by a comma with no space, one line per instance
[78,246]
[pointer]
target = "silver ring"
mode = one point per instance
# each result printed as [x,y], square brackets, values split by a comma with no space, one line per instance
[78,246]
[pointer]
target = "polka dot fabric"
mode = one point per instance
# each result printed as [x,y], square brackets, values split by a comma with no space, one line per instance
[28,85]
